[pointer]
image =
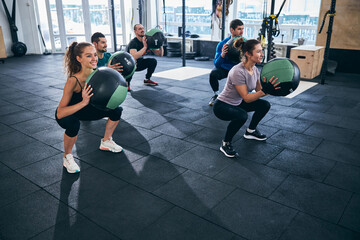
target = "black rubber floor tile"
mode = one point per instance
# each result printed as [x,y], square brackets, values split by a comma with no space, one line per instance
[252,177]
[159,107]
[85,143]
[13,140]
[147,120]
[312,106]
[187,114]
[354,141]
[194,192]
[165,147]
[352,112]
[50,136]
[283,101]
[349,123]
[110,162]
[14,187]
[351,217]
[251,216]
[36,125]
[127,211]
[177,128]
[74,228]
[332,133]
[310,228]
[31,215]
[44,105]
[290,124]
[10,108]
[18,117]
[178,224]
[168,97]
[285,111]
[210,138]
[302,164]
[197,104]
[48,171]
[326,118]
[86,189]
[133,135]
[256,151]
[4,169]
[5,129]
[314,198]
[203,160]
[339,152]
[149,173]
[344,176]
[211,121]
[295,141]
[27,154]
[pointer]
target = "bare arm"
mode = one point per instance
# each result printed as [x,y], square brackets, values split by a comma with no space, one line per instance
[249,97]
[63,109]
[138,54]
[159,52]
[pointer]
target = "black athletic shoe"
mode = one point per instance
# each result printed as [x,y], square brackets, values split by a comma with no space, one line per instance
[228,150]
[256,135]
[212,100]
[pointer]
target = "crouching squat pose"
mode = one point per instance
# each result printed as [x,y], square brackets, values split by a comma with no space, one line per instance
[80,60]
[238,98]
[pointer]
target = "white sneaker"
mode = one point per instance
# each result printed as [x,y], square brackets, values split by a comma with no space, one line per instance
[70,164]
[110,145]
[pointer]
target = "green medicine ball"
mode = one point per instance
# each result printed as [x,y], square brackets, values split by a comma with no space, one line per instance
[287,72]
[109,88]
[155,38]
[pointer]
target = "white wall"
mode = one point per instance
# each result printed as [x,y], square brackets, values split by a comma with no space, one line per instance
[26,23]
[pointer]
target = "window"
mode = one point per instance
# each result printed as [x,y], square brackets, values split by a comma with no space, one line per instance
[197,16]
[65,21]
[298,19]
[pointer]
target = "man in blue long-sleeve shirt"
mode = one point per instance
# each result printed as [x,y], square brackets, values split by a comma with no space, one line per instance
[222,63]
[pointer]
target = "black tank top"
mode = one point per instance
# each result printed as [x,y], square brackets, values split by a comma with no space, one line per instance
[76,97]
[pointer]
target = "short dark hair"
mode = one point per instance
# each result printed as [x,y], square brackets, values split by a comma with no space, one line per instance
[135,26]
[235,23]
[95,37]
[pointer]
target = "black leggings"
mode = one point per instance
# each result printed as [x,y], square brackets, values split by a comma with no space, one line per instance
[71,123]
[216,75]
[237,115]
[145,63]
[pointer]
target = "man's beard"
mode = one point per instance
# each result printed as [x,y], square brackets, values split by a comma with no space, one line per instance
[103,50]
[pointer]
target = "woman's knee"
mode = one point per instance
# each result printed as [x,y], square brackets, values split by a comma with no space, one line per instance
[71,124]
[115,114]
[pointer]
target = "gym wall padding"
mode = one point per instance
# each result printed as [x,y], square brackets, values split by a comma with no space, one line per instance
[346,30]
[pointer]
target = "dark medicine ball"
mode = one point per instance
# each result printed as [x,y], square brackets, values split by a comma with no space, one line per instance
[155,38]
[109,88]
[126,60]
[287,72]
[234,44]
[19,49]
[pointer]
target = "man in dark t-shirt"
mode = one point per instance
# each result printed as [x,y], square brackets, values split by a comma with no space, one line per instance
[137,47]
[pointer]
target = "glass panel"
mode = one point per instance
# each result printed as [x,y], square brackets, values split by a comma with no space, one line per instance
[297,17]
[197,16]
[54,19]
[70,39]
[57,43]
[99,16]
[73,16]
[44,22]
[118,24]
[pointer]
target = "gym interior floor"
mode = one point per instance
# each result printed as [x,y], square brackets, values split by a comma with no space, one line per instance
[172,182]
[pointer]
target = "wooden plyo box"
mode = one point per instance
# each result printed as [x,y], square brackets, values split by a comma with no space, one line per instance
[309,60]
[2,45]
